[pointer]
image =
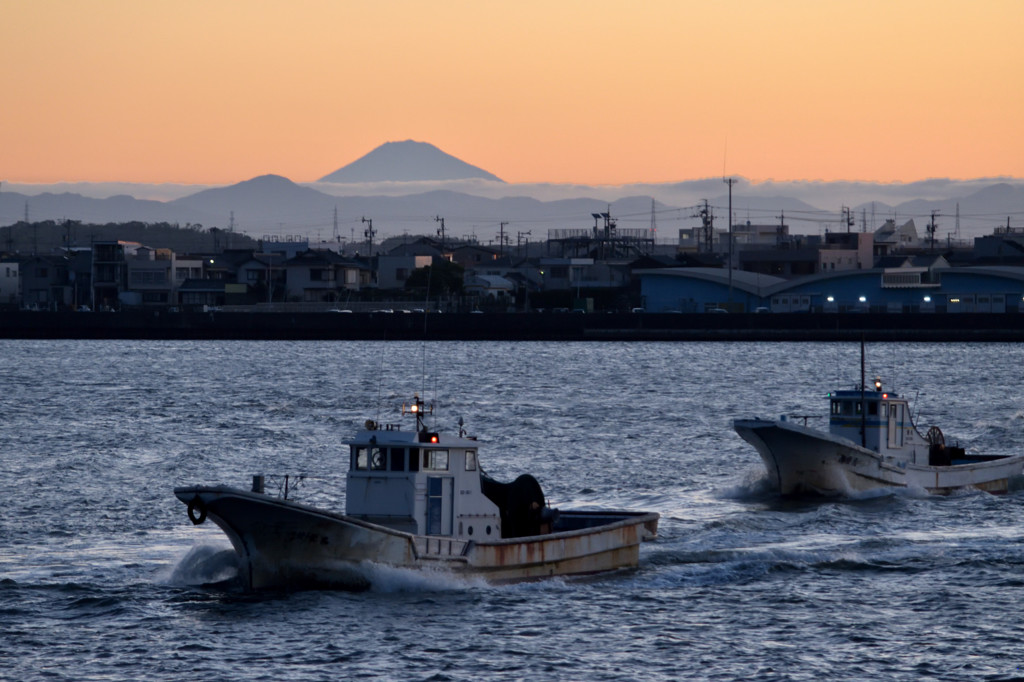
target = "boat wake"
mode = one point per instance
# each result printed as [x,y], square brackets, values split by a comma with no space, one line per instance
[755,487]
[384,579]
[206,566]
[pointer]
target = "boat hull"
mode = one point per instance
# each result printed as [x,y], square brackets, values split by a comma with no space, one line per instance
[800,460]
[282,544]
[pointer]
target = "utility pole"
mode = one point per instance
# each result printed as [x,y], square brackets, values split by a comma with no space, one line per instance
[730,182]
[369,233]
[10,234]
[337,237]
[931,230]
[501,238]
[847,218]
[654,224]
[270,280]
[440,230]
[67,237]
[707,229]
[519,242]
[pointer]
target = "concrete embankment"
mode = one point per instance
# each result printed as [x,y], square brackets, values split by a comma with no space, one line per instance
[152,324]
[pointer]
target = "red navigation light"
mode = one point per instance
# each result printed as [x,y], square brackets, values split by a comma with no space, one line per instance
[429,437]
[885,396]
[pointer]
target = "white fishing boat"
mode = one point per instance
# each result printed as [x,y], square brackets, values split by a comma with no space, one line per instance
[872,443]
[416,500]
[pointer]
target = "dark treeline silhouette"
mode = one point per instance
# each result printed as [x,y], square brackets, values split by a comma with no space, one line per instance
[49,236]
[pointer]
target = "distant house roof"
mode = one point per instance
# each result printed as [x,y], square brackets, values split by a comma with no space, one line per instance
[323,257]
[751,282]
[521,280]
[890,232]
[798,255]
[414,248]
[654,261]
[488,282]
[215,286]
[913,261]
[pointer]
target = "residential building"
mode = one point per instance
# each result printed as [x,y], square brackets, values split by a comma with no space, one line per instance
[324,276]
[891,237]
[846,251]
[10,283]
[151,279]
[110,272]
[45,284]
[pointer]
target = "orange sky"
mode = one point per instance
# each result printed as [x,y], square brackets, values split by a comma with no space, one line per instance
[595,92]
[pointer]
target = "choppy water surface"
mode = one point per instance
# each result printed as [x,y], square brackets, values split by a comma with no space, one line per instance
[103,577]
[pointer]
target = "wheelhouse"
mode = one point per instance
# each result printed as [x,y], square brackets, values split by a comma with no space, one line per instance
[420,482]
[876,419]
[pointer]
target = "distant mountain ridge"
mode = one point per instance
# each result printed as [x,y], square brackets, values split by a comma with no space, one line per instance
[421,184]
[407,161]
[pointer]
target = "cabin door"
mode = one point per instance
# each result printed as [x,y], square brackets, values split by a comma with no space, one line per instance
[896,425]
[439,505]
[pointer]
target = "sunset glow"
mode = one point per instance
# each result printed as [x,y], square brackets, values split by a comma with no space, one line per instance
[595,92]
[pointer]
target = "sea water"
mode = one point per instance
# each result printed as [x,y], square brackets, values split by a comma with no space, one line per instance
[102,576]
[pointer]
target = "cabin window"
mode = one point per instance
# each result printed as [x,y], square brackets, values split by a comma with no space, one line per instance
[836,407]
[397,459]
[362,460]
[435,504]
[414,459]
[858,408]
[470,460]
[873,409]
[378,459]
[435,460]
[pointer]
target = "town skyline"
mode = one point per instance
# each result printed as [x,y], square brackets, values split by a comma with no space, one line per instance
[599,93]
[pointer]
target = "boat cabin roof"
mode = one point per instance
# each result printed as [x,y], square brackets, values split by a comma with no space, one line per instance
[855,394]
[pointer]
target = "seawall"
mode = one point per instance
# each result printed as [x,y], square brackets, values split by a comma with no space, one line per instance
[159,324]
